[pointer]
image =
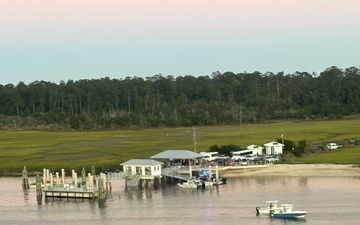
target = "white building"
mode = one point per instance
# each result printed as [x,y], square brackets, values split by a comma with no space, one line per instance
[273,148]
[257,150]
[142,167]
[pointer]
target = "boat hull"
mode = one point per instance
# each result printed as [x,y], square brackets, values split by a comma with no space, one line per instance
[294,214]
[187,186]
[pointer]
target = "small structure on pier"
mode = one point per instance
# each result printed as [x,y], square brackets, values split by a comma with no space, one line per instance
[142,172]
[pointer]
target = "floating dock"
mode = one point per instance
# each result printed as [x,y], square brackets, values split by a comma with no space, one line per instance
[90,187]
[61,193]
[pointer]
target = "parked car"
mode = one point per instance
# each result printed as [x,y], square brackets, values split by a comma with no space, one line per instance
[357,142]
[249,157]
[222,160]
[271,158]
[350,141]
[332,146]
[259,160]
[315,148]
[243,162]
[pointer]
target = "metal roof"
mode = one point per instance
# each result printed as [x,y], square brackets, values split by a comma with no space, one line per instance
[141,162]
[273,144]
[254,147]
[177,154]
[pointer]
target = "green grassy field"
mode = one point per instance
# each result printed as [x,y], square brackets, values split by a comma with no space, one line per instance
[107,149]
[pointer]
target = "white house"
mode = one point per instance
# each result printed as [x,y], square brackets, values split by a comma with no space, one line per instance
[257,150]
[274,148]
[142,167]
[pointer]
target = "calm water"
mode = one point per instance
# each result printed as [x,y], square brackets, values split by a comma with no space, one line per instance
[327,201]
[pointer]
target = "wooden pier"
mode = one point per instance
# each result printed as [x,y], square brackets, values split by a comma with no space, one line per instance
[90,187]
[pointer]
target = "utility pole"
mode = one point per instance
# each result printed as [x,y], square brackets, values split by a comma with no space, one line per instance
[194,134]
[240,121]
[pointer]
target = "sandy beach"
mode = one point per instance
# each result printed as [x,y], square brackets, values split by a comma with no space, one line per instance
[294,170]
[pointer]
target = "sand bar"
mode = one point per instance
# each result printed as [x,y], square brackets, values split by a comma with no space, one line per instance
[295,170]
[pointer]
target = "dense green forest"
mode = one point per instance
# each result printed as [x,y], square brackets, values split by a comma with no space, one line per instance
[222,98]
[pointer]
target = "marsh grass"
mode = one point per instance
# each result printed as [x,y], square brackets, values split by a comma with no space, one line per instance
[107,149]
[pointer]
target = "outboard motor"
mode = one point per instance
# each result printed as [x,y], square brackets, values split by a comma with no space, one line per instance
[271,212]
[257,210]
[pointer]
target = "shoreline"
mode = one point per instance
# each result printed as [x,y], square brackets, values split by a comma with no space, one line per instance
[294,170]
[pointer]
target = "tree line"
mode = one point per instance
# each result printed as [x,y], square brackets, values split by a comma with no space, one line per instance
[219,98]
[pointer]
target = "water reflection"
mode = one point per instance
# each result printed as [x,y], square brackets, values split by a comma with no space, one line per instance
[102,204]
[26,195]
[136,193]
[39,199]
[287,220]
[303,181]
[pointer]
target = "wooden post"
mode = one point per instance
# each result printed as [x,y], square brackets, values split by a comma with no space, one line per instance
[217,174]
[75,179]
[51,180]
[44,181]
[57,179]
[190,171]
[38,186]
[72,176]
[63,176]
[25,180]
[47,175]
[83,177]
[102,186]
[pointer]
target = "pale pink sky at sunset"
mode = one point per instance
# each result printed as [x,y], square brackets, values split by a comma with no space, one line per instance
[56,40]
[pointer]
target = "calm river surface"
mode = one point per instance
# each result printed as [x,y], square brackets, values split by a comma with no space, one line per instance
[327,200]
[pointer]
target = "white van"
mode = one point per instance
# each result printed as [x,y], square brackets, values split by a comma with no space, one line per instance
[210,156]
[243,154]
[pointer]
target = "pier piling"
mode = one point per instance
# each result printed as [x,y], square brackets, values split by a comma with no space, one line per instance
[25,179]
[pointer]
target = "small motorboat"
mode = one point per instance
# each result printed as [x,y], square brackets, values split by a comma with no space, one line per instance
[286,211]
[273,206]
[220,181]
[204,183]
[189,184]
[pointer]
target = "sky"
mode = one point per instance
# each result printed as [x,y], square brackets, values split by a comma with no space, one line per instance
[61,40]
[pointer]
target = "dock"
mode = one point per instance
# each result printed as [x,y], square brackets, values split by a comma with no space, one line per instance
[61,193]
[90,187]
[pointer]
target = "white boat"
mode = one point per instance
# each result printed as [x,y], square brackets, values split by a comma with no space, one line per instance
[286,211]
[220,181]
[189,184]
[33,185]
[204,183]
[272,206]
[195,183]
